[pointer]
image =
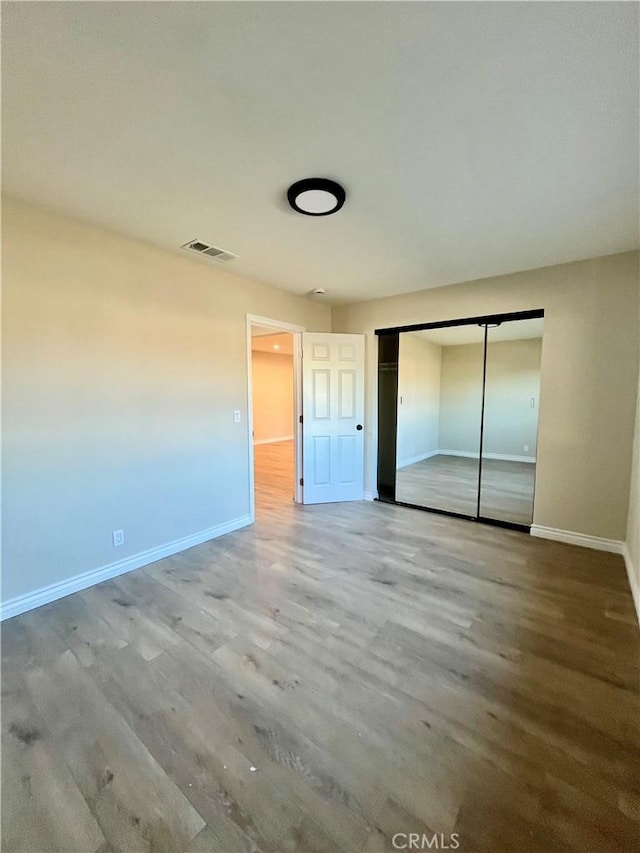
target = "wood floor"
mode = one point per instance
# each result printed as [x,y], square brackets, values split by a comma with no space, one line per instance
[451,483]
[324,680]
[274,476]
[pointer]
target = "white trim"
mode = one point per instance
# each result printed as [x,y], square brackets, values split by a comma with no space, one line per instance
[274,440]
[414,459]
[503,457]
[506,457]
[276,325]
[614,546]
[370,496]
[633,581]
[296,331]
[298,491]
[31,600]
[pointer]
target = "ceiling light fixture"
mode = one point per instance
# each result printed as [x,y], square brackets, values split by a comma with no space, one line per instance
[276,346]
[316,196]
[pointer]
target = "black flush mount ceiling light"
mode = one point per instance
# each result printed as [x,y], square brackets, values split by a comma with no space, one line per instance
[316,196]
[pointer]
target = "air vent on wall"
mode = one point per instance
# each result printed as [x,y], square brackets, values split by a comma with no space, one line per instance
[213,252]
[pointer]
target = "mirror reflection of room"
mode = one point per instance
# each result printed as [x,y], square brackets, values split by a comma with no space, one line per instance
[452,455]
[509,437]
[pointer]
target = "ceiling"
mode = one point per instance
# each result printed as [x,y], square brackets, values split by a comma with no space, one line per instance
[473,139]
[513,330]
[260,331]
[281,344]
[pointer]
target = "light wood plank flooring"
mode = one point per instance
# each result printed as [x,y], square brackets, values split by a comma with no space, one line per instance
[324,680]
[451,483]
[274,473]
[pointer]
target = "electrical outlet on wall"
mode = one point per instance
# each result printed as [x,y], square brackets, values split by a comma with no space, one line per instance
[526,447]
[118,538]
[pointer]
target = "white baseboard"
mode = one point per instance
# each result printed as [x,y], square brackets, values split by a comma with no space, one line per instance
[503,457]
[614,546]
[370,496]
[413,459]
[506,457]
[31,600]
[633,579]
[273,440]
[465,454]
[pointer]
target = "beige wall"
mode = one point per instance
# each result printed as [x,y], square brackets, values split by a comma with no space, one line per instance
[589,377]
[461,398]
[123,365]
[272,382]
[418,398]
[513,378]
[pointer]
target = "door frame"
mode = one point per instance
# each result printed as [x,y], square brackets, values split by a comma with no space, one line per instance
[296,332]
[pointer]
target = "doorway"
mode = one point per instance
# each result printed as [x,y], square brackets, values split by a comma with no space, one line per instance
[319,457]
[458,416]
[274,409]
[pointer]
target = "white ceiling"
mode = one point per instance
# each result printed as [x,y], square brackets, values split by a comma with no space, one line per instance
[514,330]
[473,139]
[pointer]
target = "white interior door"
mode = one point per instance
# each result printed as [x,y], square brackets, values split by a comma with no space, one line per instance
[332,417]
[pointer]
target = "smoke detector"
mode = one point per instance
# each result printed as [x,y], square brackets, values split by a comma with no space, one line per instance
[222,256]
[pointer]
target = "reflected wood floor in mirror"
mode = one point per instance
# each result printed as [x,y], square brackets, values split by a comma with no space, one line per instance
[323,680]
[451,483]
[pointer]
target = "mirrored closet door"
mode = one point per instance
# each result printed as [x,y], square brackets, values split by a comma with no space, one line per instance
[439,413]
[458,416]
[510,420]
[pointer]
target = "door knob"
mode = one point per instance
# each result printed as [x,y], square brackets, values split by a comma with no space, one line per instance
[359,427]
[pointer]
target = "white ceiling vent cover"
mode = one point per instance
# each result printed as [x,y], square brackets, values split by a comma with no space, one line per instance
[213,252]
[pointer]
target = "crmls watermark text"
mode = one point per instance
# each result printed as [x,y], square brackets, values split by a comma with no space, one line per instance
[417,841]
